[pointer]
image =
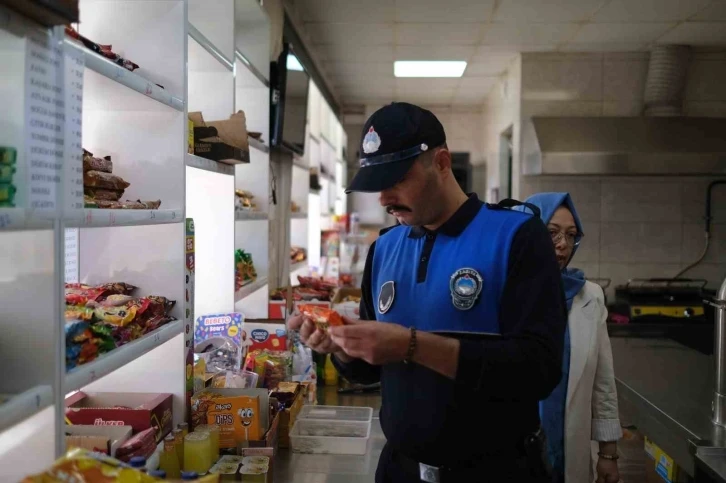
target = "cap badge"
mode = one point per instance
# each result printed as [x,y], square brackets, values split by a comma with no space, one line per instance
[465,285]
[371,141]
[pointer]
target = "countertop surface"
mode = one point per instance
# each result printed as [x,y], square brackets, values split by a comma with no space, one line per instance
[309,468]
[667,389]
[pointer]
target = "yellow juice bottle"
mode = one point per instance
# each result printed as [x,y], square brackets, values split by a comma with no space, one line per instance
[213,431]
[169,461]
[197,452]
[184,427]
[179,445]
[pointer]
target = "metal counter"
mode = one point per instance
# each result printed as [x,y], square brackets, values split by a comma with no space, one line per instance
[309,468]
[666,390]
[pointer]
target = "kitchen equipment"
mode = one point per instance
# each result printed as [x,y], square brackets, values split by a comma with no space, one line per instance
[664,307]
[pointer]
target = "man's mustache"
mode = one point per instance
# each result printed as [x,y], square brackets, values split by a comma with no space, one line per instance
[398,208]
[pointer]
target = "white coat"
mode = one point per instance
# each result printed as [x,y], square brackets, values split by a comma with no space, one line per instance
[591,411]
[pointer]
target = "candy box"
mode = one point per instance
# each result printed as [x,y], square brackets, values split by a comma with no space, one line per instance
[265,335]
[241,414]
[278,308]
[138,410]
[218,338]
[102,439]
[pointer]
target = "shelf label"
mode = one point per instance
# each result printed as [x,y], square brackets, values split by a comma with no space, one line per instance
[44,117]
[74,62]
[71,255]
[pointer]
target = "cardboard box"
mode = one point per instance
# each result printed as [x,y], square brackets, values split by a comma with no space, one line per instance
[265,335]
[224,141]
[138,410]
[102,439]
[663,467]
[288,418]
[239,421]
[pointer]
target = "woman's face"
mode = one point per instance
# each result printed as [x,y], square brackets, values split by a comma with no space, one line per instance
[564,235]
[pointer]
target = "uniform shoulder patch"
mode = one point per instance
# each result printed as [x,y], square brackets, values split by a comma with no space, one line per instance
[386,296]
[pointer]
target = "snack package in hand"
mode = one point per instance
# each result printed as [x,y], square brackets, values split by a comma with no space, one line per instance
[322,316]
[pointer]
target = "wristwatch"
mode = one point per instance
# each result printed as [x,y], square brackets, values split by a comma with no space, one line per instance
[607,456]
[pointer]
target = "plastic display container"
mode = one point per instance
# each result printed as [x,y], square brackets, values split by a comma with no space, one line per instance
[337,413]
[330,437]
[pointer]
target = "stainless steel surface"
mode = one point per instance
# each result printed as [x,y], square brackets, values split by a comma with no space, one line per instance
[624,145]
[666,389]
[209,47]
[719,351]
[712,462]
[308,468]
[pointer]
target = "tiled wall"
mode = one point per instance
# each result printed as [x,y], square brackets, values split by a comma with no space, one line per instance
[636,227]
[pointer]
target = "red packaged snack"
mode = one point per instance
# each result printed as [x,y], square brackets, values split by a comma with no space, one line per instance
[99,179]
[322,317]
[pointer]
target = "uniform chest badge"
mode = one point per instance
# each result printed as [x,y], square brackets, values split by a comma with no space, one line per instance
[465,285]
[386,296]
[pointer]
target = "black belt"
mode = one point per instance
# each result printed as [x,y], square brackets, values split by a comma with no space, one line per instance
[528,451]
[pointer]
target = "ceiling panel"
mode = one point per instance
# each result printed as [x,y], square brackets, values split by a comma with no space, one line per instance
[649,10]
[433,52]
[595,33]
[697,33]
[458,11]
[466,98]
[553,11]
[356,34]
[477,84]
[438,34]
[352,68]
[351,53]
[489,63]
[605,47]
[429,99]
[537,34]
[716,12]
[370,11]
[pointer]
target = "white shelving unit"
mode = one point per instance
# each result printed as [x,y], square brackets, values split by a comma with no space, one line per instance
[194,55]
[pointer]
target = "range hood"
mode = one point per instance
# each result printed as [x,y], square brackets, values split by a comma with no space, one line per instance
[662,141]
[624,145]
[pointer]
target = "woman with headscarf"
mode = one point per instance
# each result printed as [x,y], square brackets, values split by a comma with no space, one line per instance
[584,405]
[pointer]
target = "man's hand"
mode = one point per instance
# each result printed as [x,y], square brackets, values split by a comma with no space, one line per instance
[607,471]
[313,337]
[376,343]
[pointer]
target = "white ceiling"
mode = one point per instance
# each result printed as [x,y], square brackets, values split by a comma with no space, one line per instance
[358,40]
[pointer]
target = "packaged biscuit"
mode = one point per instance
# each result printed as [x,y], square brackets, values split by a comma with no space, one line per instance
[321,316]
[6,173]
[91,163]
[7,192]
[8,155]
[99,179]
[103,193]
[83,466]
[238,416]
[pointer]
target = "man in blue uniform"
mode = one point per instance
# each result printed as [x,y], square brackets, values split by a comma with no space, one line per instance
[463,316]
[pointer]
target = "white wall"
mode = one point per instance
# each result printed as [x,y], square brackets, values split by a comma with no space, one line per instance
[636,227]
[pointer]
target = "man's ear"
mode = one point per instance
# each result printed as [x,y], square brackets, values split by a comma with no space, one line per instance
[442,160]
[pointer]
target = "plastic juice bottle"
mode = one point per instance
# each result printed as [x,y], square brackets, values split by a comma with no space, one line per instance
[213,431]
[158,474]
[179,445]
[184,427]
[331,373]
[189,476]
[197,452]
[169,461]
[138,463]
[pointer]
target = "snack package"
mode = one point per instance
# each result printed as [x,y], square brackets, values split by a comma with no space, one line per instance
[219,339]
[83,466]
[91,163]
[102,193]
[140,444]
[90,202]
[6,173]
[322,317]
[99,179]
[8,155]
[7,192]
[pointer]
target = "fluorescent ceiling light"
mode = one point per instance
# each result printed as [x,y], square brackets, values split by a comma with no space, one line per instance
[429,68]
[293,63]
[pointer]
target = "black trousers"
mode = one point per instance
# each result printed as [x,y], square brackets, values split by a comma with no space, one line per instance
[516,467]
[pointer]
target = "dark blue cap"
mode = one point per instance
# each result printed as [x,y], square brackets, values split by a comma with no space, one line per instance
[392,138]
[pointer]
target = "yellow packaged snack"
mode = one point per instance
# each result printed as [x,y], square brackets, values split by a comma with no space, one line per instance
[238,419]
[83,466]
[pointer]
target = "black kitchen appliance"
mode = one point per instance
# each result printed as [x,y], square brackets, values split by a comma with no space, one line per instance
[664,307]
